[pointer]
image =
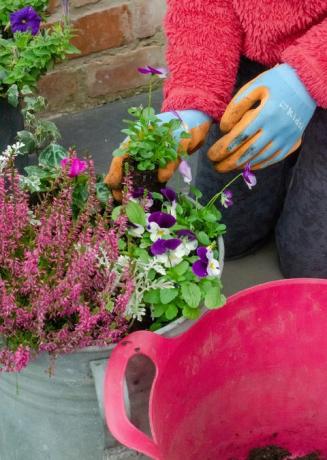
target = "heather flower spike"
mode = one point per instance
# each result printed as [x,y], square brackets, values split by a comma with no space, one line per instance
[185,170]
[249,177]
[25,20]
[226,198]
[76,166]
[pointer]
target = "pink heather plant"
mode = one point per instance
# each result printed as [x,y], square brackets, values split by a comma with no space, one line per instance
[55,295]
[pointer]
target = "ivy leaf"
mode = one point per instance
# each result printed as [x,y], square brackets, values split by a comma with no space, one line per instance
[171,312]
[52,155]
[213,298]
[135,213]
[103,192]
[191,293]
[13,95]
[167,295]
[152,296]
[29,141]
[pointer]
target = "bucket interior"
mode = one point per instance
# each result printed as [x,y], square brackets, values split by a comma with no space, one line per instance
[247,376]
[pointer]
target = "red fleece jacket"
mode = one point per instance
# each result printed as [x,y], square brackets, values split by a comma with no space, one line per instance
[207,37]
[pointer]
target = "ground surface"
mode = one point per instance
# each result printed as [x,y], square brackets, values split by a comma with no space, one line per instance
[97,131]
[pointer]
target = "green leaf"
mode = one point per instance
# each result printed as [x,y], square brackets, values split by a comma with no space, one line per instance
[157,196]
[52,155]
[213,298]
[167,295]
[191,313]
[116,213]
[158,310]
[152,296]
[171,312]
[135,213]
[191,293]
[13,95]
[203,238]
[33,171]
[196,192]
[181,268]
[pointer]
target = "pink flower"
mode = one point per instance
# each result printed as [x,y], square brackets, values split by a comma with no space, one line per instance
[77,166]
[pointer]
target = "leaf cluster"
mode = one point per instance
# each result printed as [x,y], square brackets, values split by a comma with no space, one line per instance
[151,143]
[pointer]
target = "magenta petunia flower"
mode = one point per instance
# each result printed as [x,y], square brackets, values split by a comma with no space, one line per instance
[76,168]
[161,72]
[162,219]
[161,246]
[185,171]
[226,198]
[25,20]
[249,177]
[169,194]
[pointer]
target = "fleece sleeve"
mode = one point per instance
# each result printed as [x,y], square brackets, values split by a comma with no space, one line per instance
[308,56]
[204,42]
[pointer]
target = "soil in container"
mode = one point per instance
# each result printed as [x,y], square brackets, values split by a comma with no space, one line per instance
[278,453]
[144,179]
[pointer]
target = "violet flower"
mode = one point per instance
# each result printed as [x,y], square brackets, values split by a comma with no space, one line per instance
[25,20]
[185,171]
[206,265]
[226,198]
[169,194]
[249,177]
[162,246]
[187,233]
[160,72]
[76,168]
[162,219]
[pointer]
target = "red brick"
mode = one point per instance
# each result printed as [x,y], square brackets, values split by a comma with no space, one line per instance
[102,29]
[119,73]
[80,3]
[148,16]
[59,87]
[53,6]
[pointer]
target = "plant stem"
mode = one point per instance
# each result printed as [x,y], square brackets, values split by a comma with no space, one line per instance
[215,197]
[150,91]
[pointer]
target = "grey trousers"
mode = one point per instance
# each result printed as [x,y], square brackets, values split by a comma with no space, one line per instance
[289,201]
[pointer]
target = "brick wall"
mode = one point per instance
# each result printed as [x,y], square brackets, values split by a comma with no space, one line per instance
[115,37]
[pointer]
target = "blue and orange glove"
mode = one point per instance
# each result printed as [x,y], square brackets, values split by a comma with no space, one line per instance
[264,122]
[193,121]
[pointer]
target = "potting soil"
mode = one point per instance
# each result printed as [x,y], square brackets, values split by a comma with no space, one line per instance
[278,453]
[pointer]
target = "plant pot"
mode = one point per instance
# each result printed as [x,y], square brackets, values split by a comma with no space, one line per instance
[249,375]
[61,417]
[11,121]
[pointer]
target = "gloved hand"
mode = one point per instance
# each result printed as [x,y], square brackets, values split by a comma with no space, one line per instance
[193,121]
[268,133]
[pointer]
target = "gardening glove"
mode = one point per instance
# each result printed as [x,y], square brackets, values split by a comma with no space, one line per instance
[193,121]
[265,121]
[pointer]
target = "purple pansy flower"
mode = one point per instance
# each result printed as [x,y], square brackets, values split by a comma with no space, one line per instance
[162,219]
[187,233]
[25,20]
[161,246]
[141,193]
[226,198]
[206,265]
[249,177]
[161,72]
[76,168]
[169,194]
[185,171]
